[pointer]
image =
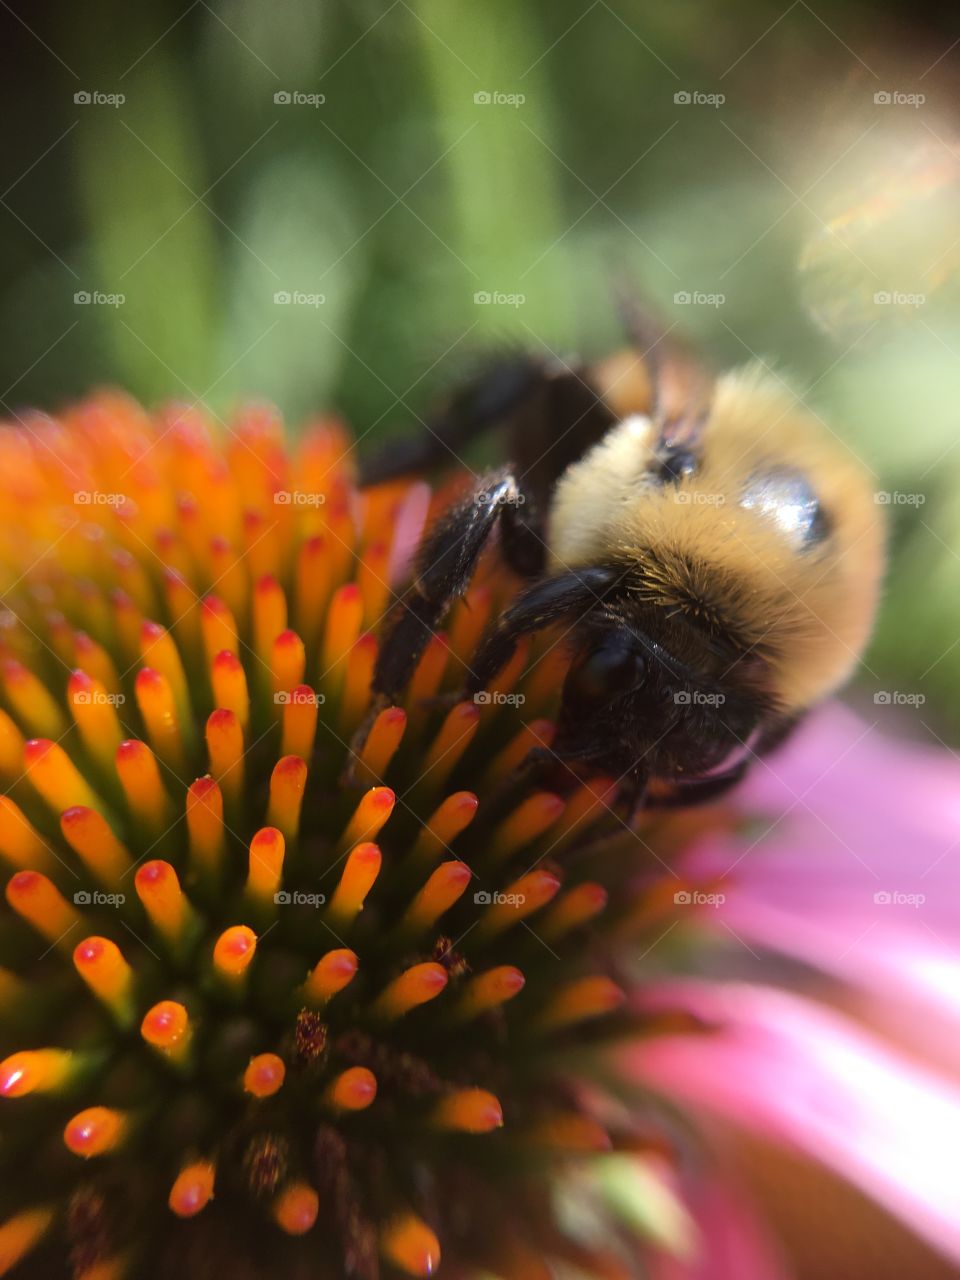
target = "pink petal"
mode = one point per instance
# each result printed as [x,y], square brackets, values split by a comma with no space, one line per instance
[408,527]
[856,869]
[792,1071]
[852,766]
[731,1242]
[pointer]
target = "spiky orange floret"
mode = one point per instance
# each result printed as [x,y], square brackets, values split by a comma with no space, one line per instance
[316,979]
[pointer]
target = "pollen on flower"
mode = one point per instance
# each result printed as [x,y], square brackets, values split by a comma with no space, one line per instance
[234,950]
[192,1190]
[289,970]
[94,1131]
[36,1069]
[264,1075]
[352,1090]
[166,1026]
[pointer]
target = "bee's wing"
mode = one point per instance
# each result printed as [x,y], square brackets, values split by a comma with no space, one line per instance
[683,385]
[500,388]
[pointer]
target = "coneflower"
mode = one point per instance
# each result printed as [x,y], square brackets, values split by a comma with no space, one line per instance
[276,1005]
[269,1005]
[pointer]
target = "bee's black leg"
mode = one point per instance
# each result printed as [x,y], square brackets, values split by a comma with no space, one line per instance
[445,564]
[574,592]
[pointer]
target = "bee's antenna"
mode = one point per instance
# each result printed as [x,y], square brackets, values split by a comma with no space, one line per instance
[682,384]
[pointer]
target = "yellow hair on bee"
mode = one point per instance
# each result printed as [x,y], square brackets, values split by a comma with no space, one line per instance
[806,611]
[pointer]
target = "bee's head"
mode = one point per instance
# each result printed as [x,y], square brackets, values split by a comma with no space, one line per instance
[632,708]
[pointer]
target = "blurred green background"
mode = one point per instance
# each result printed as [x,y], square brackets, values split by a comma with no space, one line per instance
[782,179]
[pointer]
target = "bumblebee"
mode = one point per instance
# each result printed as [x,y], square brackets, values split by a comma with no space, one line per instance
[711,550]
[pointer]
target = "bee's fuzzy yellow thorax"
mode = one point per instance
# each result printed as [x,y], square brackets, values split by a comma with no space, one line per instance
[808,612]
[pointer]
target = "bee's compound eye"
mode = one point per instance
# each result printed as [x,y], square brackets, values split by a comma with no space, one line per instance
[604,673]
[786,497]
